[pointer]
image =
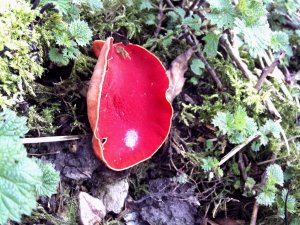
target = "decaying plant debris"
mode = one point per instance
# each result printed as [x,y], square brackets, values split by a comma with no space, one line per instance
[232,154]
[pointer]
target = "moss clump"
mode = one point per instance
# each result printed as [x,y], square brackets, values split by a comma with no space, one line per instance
[20,52]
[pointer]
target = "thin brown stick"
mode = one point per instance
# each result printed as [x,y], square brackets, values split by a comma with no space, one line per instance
[200,55]
[193,5]
[268,70]
[293,138]
[242,167]
[254,213]
[160,17]
[268,161]
[210,70]
[233,53]
[170,3]
[256,205]
[272,109]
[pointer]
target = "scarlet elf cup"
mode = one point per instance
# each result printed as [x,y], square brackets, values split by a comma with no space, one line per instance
[127,106]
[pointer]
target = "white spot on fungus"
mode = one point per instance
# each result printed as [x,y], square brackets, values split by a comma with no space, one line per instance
[131,138]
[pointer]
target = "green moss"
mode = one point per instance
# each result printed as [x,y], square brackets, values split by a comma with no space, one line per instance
[21,53]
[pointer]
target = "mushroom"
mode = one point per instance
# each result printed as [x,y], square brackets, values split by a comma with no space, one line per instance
[127,106]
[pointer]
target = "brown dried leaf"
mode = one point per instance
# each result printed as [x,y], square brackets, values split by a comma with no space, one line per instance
[176,74]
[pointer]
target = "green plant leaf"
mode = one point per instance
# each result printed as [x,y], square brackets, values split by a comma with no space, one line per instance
[211,44]
[71,52]
[63,39]
[289,201]
[21,178]
[221,120]
[275,172]
[62,6]
[18,177]
[222,13]
[151,19]
[209,164]
[271,127]
[145,4]
[251,11]
[237,126]
[50,179]
[280,41]
[256,40]
[196,66]
[180,11]
[194,22]
[81,32]
[167,38]
[249,184]
[177,14]
[96,4]
[11,124]
[57,57]
[194,81]
[266,198]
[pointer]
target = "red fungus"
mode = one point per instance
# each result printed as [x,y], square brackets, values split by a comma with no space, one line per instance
[127,106]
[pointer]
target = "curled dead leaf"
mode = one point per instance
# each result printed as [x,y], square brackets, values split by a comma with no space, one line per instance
[176,74]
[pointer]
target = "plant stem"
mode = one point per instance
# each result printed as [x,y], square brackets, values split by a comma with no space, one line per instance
[200,55]
[234,54]
[170,3]
[268,70]
[160,17]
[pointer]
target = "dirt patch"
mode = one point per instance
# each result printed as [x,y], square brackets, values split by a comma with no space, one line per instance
[168,203]
[74,159]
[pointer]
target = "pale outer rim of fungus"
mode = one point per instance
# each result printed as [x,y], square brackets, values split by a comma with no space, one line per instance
[98,109]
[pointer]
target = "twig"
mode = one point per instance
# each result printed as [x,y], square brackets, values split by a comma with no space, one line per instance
[170,3]
[161,17]
[284,138]
[242,167]
[50,139]
[254,213]
[286,214]
[289,23]
[269,160]
[199,54]
[238,148]
[234,54]
[256,205]
[272,109]
[268,70]
[193,5]
[183,2]
[279,75]
[293,138]
[210,70]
